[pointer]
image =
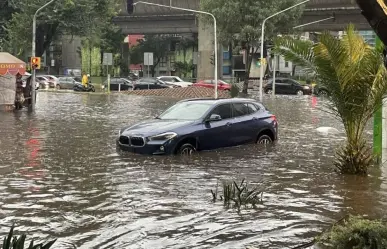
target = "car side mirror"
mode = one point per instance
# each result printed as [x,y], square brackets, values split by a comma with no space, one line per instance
[214,117]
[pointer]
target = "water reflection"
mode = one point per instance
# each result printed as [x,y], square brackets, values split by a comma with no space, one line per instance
[60,176]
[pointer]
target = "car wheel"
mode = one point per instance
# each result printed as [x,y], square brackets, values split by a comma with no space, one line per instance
[300,93]
[57,87]
[269,91]
[93,89]
[186,150]
[264,139]
[323,93]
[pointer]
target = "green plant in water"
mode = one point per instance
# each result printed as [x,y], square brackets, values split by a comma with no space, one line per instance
[356,233]
[238,195]
[354,73]
[14,242]
[234,92]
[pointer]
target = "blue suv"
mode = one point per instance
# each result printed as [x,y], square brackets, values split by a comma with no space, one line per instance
[201,124]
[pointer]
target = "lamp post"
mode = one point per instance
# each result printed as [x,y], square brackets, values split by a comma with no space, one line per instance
[262,39]
[310,23]
[215,35]
[33,93]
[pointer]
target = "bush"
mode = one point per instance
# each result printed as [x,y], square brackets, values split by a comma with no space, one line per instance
[13,242]
[356,233]
[238,195]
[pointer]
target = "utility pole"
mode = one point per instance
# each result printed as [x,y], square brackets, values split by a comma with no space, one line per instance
[33,75]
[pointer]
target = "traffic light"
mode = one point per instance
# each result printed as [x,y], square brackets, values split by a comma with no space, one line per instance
[259,62]
[35,62]
[129,6]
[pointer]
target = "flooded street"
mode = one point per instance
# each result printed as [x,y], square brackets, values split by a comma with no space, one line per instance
[60,176]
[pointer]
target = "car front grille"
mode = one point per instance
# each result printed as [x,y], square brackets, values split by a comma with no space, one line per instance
[137,141]
[124,140]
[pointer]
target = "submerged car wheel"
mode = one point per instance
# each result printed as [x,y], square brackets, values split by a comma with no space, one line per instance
[264,139]
[323,93]
[269,91]
[186,150]
[300,93]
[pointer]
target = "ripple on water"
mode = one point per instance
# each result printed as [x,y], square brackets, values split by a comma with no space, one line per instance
[60,176]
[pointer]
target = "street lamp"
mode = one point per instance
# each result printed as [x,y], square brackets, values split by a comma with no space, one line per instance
[296,27]
[215,35]
[262,39]
[310,23]
[33,97]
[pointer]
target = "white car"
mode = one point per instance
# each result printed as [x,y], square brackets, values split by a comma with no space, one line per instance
[52,80]
[174,80]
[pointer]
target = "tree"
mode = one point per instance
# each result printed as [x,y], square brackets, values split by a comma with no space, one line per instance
[357,79]
[78,18]
[183,68]
[240,21]
[157,44]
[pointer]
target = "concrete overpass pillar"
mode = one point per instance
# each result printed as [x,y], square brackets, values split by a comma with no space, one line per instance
[205,50]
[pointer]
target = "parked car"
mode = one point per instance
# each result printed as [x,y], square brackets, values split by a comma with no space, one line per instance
[121,84]
[43,82]
[52,80]
[149,83]
[201,124]
[67,82]
[287,86]
[174,80]
[222,85]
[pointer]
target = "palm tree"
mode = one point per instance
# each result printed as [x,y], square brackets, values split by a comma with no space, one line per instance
[357,79]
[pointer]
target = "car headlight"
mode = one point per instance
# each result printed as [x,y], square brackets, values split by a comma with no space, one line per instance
[163,136]
[306,87]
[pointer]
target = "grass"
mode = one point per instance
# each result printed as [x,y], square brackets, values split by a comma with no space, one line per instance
[13,242]
[238,195]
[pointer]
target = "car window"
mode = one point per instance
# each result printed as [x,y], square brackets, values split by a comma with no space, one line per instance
[240,109]
[186,111]
[252,108]
[224,111]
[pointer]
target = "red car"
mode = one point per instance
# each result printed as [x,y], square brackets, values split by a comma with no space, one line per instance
[211,84]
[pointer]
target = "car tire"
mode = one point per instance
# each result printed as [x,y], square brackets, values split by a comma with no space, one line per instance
[269,91]
[300,93]
[58,87]
[323,93]
[92,88]
[186,149]
[264,139]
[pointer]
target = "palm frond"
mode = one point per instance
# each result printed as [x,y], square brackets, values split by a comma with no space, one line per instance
[297,51]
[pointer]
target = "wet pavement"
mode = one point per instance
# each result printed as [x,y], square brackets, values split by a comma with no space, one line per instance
[60,176]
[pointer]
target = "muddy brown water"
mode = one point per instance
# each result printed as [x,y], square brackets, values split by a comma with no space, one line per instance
[61,177]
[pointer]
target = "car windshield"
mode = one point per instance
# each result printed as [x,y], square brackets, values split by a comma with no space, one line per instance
[186,111]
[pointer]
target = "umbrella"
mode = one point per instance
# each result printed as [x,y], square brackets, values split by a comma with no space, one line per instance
[9,64]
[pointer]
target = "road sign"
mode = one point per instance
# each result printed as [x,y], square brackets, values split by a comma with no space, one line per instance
[148,59]
[107,59]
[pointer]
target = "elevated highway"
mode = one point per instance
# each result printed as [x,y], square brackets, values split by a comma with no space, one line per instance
[148,19]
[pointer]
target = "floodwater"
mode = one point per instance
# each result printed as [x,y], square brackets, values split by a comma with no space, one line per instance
[60,177]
